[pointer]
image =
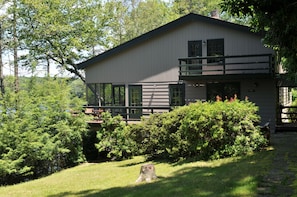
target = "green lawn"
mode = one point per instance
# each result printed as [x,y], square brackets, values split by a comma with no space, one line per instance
[225,177]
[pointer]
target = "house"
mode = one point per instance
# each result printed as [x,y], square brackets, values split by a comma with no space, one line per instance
[192,58]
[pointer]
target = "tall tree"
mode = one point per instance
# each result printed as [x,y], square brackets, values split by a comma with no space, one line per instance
[135,17]
[202,7]
[1,63]
[9,35]
[118,12]
[60,32]
[278,19]
[147,16]
[15,45]
[43,136]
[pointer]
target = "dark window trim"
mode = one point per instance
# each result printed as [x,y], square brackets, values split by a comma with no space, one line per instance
[182,96]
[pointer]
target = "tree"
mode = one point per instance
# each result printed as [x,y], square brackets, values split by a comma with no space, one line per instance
[277,19]
[202,7]
[42,136]
[146,16]
[9,36]
[1,62]
[60,32]
[136,17]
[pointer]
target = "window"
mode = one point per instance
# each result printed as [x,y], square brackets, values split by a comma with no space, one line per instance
[91,94]
[112,95]
[195,50]
[118,94]
[106,94]
[135,99]
[176,94]
[223,90]
[215,47]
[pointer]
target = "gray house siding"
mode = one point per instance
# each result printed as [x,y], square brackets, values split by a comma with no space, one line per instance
[263,92]
[156,59]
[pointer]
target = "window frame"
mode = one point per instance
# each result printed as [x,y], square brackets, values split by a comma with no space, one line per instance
[176,91]
[215,48]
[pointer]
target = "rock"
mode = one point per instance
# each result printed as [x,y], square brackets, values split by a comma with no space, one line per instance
[147,173]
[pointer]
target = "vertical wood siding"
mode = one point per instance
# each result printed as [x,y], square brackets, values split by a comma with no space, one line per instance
[157,58]
[263,92]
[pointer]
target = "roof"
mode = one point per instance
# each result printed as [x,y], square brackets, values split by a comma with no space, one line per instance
[160,30]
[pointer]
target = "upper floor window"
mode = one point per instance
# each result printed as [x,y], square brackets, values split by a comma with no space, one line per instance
[195,48]
[215,47]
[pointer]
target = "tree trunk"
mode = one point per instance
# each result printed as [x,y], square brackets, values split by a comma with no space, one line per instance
[1,63]
[147,173]
[15,52]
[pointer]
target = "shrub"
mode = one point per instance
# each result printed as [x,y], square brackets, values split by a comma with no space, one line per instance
[202,130]
[222,129]
[113,137]
[159,135]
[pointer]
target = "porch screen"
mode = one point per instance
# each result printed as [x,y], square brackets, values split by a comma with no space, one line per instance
[92,92]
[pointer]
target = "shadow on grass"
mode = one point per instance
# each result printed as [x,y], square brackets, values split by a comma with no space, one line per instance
[238,178]
[134,163]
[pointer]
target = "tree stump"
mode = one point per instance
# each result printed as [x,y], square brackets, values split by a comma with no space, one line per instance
[147,173]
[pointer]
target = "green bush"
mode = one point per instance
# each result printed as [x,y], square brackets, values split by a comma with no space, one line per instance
[202,130]
[159,135]
[113,137]
[292,116]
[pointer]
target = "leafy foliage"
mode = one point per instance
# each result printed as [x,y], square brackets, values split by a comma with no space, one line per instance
[113,137]
[277,19]
[292,116]
[202,7]
[201,130]
[38,133]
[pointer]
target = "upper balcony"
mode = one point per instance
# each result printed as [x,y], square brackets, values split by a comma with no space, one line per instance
[239,66]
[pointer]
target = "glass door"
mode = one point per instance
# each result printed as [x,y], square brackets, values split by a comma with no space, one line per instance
[195,50]
[135,99]
[118,92]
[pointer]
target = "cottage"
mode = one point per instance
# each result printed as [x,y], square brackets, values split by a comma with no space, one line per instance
[192,58]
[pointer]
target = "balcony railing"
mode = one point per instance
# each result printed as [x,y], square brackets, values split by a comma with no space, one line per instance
[226,65]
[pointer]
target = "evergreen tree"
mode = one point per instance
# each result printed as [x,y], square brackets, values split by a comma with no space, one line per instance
[38,133]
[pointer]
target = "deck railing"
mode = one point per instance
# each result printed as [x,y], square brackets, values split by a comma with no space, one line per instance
[288,114]
[226,65]
[127,112]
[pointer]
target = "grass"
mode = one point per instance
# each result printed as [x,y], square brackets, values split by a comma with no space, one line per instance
[225,177]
